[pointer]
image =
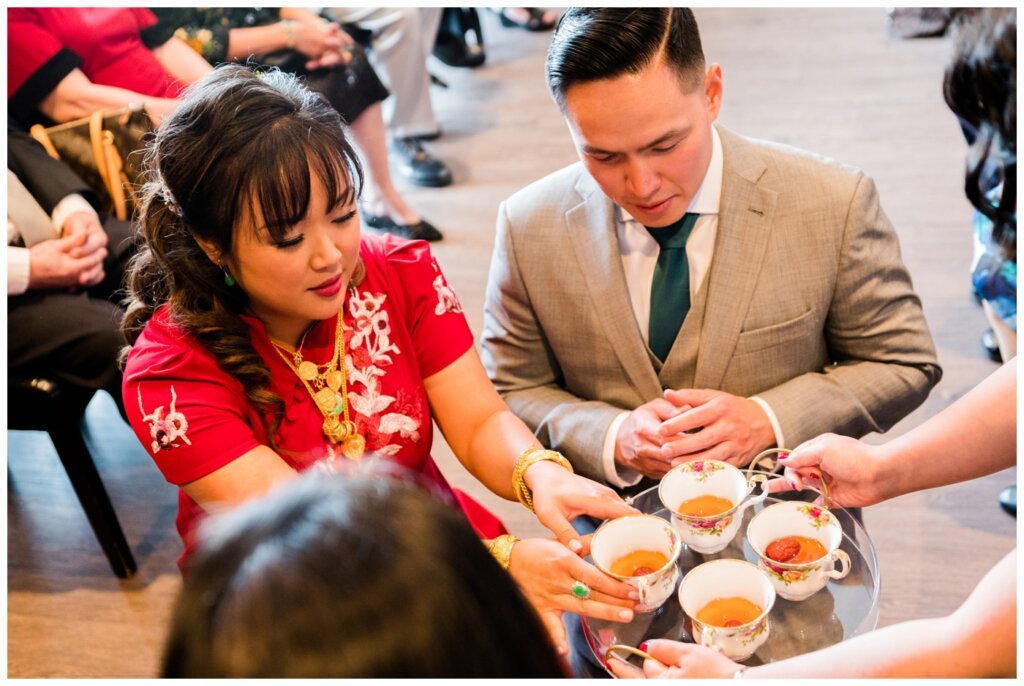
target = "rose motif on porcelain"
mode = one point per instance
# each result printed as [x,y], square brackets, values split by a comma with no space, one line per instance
[819,516]
[701,469]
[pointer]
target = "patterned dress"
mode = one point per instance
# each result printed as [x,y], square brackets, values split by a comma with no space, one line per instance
[993,276]
[402,325]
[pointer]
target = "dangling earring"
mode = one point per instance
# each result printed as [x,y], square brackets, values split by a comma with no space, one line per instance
[229,280]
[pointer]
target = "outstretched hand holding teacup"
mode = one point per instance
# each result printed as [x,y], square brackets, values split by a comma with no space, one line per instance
[854,471]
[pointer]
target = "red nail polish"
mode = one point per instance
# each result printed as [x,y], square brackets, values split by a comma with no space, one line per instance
[643,646]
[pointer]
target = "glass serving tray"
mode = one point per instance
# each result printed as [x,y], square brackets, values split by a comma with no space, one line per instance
[843,609]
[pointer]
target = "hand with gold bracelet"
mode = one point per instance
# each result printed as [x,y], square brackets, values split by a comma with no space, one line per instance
[558,496]
[554,577]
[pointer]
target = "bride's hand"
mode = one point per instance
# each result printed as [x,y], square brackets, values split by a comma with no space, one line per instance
[546,570]
[559,496]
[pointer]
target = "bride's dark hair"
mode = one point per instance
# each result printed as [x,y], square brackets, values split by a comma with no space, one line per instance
[240,139]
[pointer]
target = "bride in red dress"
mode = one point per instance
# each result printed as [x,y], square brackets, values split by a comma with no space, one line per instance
[268,336]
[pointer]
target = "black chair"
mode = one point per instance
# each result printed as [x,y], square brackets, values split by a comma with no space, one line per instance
[41,404]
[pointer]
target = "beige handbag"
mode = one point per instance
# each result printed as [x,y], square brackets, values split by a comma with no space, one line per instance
[106,150]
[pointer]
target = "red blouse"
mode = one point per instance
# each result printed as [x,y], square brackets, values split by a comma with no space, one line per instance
[402,324]
[106,43]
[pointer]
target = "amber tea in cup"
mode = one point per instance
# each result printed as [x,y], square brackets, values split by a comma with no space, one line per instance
[704,506]
[639,563]
[795,550]
[729,612]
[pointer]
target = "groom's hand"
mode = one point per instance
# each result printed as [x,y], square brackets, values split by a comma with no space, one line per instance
[714,425]
[638,444]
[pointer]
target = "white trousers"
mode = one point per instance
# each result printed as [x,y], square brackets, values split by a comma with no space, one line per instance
[403,38]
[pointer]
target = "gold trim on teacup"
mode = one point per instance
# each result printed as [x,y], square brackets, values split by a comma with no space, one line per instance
[763,615]
[757,478]
[623,648]
[677,546]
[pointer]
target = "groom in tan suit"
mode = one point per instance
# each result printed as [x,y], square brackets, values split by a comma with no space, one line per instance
[684,292]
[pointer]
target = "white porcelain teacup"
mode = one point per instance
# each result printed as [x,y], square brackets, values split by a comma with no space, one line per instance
[799,581]
[728,579]
[619,537]
[709,478]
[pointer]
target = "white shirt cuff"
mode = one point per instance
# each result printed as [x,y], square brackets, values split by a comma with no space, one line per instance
[68,205]
[613,474]
[776,427]
[17,270]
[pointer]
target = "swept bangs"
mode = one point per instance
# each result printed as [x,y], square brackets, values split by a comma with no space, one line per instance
[281,160]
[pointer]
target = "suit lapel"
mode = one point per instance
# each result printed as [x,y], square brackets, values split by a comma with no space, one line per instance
[744,226]
[592,232]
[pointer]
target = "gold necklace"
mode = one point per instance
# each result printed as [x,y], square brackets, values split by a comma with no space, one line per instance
[329,390]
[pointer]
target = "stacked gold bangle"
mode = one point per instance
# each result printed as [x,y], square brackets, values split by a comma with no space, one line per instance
[530,457]
[501,549]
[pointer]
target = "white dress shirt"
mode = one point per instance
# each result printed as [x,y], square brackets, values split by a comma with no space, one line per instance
[639,253]
[19,259]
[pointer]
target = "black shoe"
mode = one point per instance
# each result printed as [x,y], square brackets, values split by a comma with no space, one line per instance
[460,40]
[1008,500]
[991,345]
[418,165]
[423,230]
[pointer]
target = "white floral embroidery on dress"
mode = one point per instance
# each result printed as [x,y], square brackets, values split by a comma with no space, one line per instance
[165,431]
[447,301]
[372,330]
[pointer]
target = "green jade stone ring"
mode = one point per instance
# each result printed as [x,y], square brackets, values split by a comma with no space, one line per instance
[580,590]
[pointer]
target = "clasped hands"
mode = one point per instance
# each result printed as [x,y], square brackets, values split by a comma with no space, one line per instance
[323,42]
[75,260]
[690,424]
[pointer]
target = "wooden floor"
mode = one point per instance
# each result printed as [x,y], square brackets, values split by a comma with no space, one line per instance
[831,81]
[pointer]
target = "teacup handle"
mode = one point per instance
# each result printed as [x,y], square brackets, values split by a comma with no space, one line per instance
[843,560]
[759,498]
[707,637]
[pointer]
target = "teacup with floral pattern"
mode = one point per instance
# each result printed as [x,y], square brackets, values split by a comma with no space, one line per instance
[623,535]
[690,480]
[727,578]
[799,581]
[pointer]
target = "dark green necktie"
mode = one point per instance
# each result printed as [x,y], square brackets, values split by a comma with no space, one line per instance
[670,289]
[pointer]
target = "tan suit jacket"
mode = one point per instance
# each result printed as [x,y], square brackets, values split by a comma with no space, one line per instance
[807,304]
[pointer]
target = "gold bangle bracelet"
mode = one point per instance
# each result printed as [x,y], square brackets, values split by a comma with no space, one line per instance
[501,549]
[530,457]
[289,31]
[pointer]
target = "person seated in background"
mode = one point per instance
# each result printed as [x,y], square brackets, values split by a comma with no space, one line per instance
[64,269]
[269,336]
[296,40]
[400,41]
[65,63]
[357,576]
[973,437]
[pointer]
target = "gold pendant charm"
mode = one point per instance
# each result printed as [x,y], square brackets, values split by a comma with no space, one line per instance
[354,447]
[308,371]
[326,400]
[334,380]
[335,430]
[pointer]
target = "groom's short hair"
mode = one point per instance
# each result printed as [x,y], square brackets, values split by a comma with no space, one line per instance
[596,43]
